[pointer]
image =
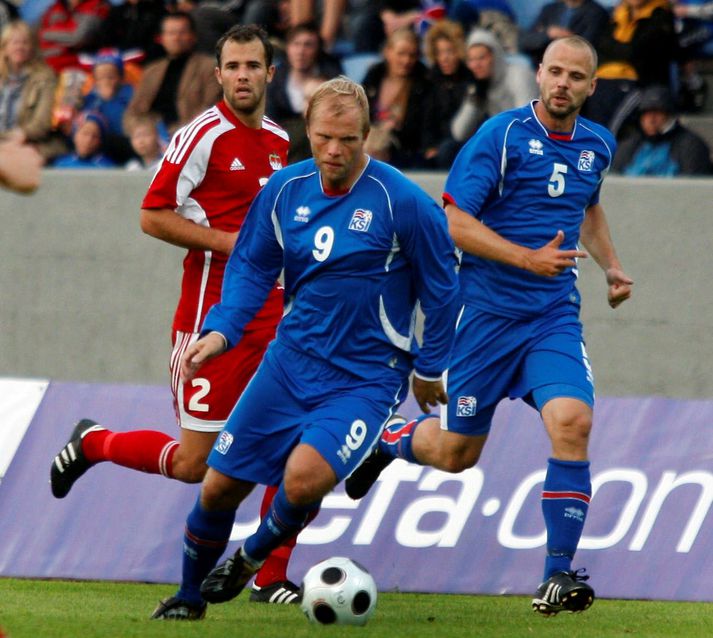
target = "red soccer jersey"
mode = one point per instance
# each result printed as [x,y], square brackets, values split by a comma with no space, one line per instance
[210,174]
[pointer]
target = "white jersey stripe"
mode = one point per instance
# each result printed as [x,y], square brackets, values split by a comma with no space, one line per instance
[271,126]
[181,140]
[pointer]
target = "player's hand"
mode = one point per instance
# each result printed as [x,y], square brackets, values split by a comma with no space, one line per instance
[199,352]
[619,286]
[550,261]
[428,393]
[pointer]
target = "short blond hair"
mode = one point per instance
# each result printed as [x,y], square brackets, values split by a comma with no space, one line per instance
[341,87]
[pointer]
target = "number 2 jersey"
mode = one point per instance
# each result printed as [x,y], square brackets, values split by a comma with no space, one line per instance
[526,183]
[210,174]
[354,266]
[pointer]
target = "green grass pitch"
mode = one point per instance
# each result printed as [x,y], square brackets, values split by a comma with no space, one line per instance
[61,609]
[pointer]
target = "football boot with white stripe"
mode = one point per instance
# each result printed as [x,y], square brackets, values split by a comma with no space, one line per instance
[284,592]
[71,463]
[564,591]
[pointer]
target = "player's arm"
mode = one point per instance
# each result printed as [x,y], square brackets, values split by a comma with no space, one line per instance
[474,237]
[596,238]
[20,167]
[423,235]
[169,226]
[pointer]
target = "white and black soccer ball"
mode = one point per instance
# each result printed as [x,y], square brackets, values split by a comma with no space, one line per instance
[338,591]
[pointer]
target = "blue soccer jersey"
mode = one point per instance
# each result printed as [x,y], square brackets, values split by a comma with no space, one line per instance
[526,183]
[354,266]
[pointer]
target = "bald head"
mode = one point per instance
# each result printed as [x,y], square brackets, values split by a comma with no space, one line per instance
[579,45]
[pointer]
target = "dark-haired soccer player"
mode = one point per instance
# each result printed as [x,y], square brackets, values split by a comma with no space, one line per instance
[520,196]
[359,245]
[198,199]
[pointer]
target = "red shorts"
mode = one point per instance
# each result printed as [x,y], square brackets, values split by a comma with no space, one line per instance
[204,403]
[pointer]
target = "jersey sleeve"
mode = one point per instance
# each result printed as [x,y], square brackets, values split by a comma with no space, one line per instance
[477,169]
[251,271]
[608,152]
[182,169]
[422,230]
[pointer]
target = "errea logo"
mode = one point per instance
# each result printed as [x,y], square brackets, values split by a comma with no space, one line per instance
[535,147]
[302,214]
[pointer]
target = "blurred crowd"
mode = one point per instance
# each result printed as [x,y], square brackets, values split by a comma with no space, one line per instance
[94,83]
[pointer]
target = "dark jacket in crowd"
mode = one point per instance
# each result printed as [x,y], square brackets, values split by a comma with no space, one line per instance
[677,151]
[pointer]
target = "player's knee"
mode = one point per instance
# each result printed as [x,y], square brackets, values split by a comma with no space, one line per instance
[188,469]
[458,461]
[300,490]
[570,434]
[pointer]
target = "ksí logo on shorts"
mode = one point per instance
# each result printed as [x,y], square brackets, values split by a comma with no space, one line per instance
[361,220]
[225,440]
[466,406]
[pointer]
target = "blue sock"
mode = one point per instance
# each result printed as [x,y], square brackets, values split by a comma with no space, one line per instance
[397,440]
[204,541]
[565,501]
[282,521]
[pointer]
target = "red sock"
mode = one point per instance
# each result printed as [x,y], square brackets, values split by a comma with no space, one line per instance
[274,569]
[144,450]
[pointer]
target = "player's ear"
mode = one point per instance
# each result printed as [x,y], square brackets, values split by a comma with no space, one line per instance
[270,73]
[218,76]
[593,87]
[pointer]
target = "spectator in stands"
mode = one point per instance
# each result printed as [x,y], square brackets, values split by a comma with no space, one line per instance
[449,77]
[371,23]
[286,98]
[397,89]
[134,25]
[694,30]
[497,84]
[561,19]
[27,87]
[328,14]
[68,27]
[110,96]
[494,15]
[662,146]
[637,50]
[8,13]
[145,142]
[272,15]
[181,85]
[88,141]
[212,19]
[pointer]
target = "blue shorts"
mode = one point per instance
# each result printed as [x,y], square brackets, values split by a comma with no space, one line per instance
[496,357]
[294,398]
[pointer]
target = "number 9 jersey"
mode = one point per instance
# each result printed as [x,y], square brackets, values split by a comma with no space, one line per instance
[525,183]
[355,265]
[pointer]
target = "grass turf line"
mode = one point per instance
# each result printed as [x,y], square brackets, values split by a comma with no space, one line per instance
[91,609]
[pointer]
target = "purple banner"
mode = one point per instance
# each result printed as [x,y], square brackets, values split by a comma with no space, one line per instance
[647,535]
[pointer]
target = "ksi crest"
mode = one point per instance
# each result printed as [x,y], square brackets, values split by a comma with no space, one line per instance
[361,220]
[466,406]
[586,161]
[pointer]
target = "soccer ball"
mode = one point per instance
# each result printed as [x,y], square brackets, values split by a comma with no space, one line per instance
[338,591]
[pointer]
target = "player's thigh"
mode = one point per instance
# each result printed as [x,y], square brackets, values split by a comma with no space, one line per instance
[486,357]
[557,366]
[261,431]
[347,424]
[204,403]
